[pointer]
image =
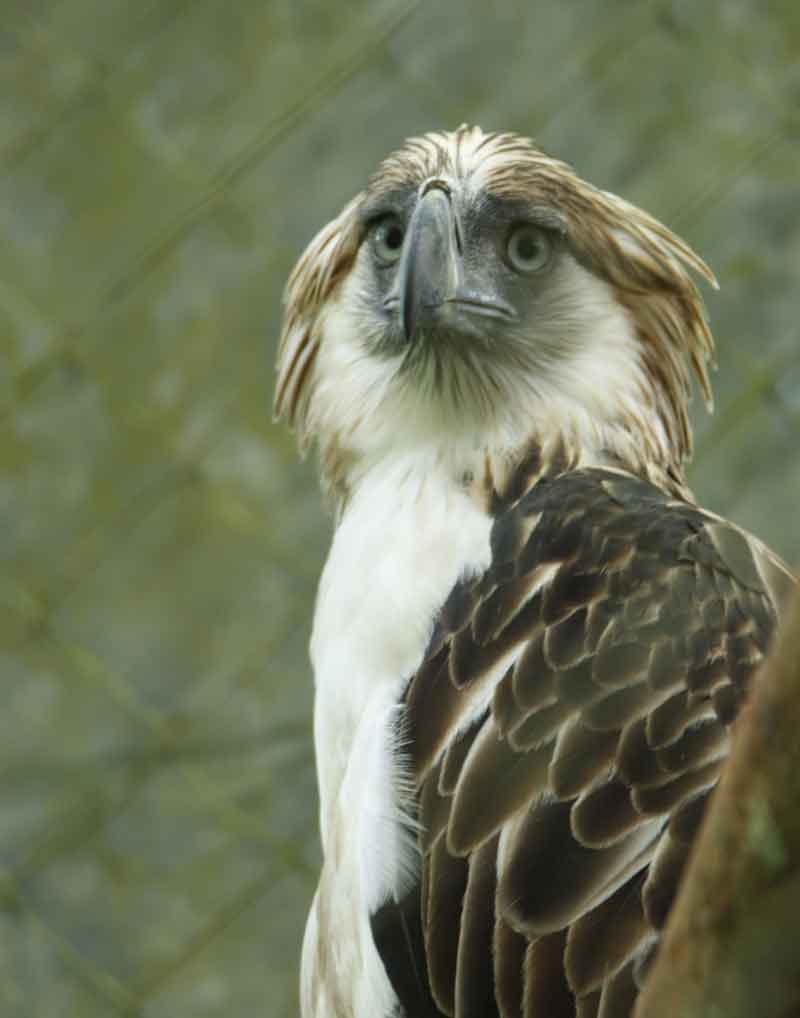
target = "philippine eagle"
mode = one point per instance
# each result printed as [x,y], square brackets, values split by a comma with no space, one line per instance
[529,640]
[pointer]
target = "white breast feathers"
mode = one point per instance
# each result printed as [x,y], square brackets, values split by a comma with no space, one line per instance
[408,533]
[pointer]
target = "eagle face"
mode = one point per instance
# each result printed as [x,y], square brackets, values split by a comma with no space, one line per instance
[458,271]
[477,283]
[475,302]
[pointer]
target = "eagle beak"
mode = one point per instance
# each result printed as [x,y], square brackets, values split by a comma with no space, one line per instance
[432,286]
[430,270]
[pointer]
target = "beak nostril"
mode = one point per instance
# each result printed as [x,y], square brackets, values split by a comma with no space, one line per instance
[457,233]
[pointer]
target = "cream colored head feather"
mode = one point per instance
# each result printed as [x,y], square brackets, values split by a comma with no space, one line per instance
[624,269]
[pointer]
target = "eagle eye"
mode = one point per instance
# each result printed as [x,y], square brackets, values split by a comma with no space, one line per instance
[387,239]
[529,248]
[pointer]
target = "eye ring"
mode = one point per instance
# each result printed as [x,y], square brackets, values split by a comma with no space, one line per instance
[529,248]
[387,239]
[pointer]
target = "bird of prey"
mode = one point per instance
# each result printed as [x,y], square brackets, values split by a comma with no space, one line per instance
[529,641]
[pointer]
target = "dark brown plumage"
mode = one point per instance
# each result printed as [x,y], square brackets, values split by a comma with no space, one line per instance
[590,768]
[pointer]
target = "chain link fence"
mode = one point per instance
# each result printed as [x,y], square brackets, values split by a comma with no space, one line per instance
[162,164]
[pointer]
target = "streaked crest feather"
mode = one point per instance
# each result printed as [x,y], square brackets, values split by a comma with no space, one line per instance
[648,266]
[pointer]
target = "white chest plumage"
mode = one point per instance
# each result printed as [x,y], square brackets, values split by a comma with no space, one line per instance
[409,532]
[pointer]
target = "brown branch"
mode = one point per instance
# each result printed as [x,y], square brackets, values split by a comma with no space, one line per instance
[732,946]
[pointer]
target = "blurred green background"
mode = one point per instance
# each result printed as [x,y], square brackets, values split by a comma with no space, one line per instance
[162,165]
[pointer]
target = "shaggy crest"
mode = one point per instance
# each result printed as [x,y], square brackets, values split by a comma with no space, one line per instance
[648,267]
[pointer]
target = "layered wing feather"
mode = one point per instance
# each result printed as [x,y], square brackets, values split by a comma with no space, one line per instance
[565,730]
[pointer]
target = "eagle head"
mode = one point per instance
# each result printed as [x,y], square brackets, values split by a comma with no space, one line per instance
[479,293]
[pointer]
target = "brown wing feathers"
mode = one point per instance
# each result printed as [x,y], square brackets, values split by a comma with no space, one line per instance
[556,822]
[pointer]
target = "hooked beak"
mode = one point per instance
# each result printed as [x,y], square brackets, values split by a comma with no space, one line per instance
[430,287]
[431,266]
